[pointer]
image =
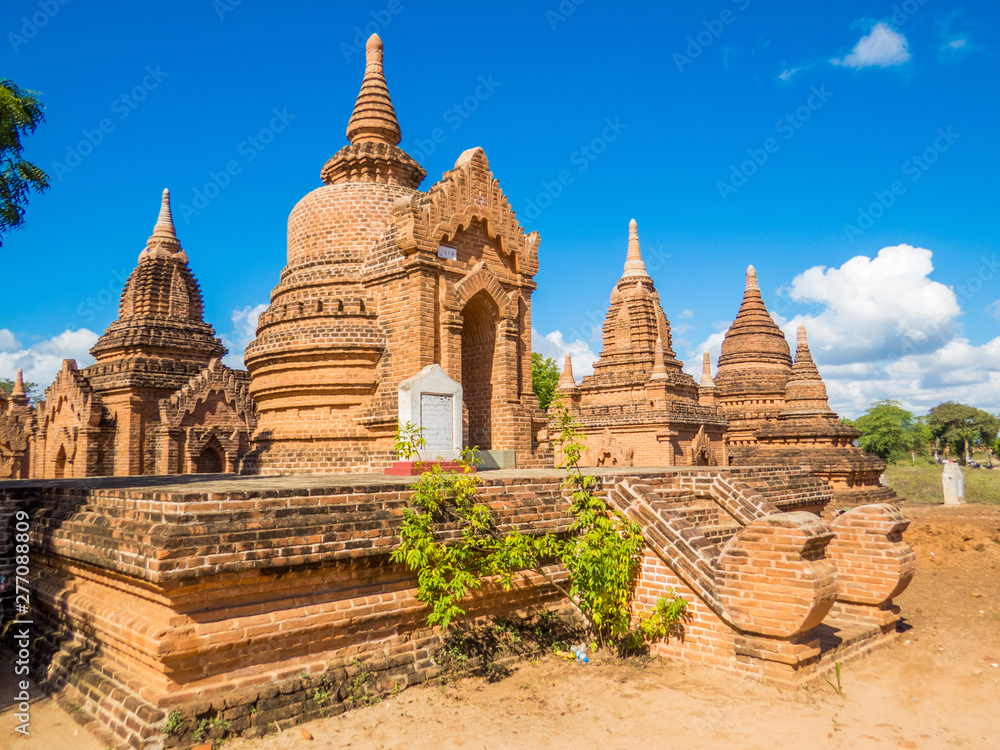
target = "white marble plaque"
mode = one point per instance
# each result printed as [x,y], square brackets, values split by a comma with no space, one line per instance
[433,401]
[437,419]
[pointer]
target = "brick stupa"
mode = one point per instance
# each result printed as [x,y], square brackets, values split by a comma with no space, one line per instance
[108,419]
[640,408]
[753,368]
[383,280]
[807,432]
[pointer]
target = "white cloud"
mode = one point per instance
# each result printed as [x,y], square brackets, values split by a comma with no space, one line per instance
[882,46]
[786,75]
[244,331]
[553,346]
[42,361]
[994,309]
[957,43]
[885,329]
[876,308]
[8,343]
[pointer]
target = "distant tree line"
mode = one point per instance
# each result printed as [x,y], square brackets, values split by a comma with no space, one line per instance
[957,430]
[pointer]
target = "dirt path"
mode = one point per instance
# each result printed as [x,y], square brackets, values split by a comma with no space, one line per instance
[935,688]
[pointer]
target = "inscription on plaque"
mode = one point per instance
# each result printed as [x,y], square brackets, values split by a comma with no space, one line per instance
[437,419]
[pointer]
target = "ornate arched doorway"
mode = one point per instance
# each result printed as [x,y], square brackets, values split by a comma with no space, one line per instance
[480,317]
[210,459]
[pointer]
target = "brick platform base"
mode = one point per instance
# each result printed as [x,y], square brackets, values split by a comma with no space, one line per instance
[233,602]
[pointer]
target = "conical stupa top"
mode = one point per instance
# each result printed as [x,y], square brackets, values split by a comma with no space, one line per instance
[18,389]
[633,262]
[566,380]
[659,368]
[706,371]
[804,367]
[18,396]
[805,393]
[753,342]
[163,240]
[374,119]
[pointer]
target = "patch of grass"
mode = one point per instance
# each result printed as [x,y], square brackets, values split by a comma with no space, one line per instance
[922,484]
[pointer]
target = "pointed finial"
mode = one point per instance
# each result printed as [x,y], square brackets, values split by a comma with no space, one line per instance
[752,278]
[707,381]
[374,118]
[802,353]
[163,240]
[659,367]
[18,389]
[633,261]
[18,396]
[566,380]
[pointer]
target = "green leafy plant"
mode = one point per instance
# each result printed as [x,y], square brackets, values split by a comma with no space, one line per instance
[321,696]
[839,686]
[357,690]
[409,440]
[603,554]
[173,723]
[451,541]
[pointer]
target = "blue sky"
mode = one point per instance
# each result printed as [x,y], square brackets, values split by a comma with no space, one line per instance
[848,150]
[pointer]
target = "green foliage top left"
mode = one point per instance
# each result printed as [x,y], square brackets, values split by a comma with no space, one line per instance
[20,114]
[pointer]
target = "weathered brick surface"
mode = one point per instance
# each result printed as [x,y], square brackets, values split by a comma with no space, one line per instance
[875,565]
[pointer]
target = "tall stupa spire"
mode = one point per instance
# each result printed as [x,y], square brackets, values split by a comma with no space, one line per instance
[567,381]
[374,119]
[18,395]
[634,265]
[163,241]
[707,381]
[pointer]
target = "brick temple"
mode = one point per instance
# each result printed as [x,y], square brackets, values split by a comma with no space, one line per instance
[236,595]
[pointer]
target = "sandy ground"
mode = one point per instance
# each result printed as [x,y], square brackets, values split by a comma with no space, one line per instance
[938,686]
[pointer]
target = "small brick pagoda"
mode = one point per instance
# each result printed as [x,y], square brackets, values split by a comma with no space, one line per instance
[753,369]
[156,401]
[640,408]
[778,411]
[383,280]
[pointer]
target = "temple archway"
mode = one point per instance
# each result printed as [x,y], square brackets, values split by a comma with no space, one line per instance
[480,317]
[210,459]
[60,465]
